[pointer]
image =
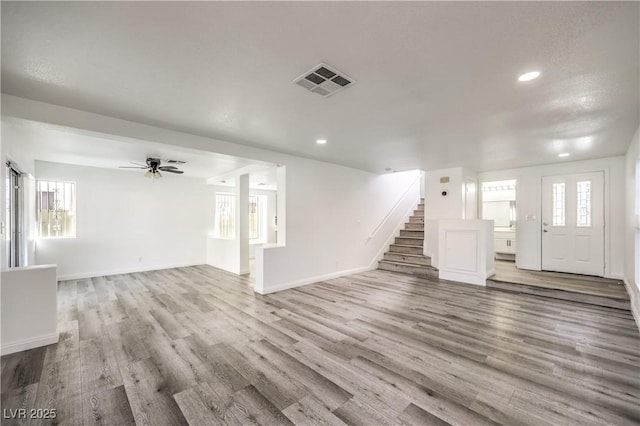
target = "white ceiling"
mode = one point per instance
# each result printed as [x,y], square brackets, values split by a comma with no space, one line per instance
[50,143]
[436,81]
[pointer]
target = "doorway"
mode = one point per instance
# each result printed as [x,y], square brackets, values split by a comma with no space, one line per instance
[573,223]
[13,217]
[499,205]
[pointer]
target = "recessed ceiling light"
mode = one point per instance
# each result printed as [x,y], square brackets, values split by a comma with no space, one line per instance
[564,154]
[532,75]
[321,141]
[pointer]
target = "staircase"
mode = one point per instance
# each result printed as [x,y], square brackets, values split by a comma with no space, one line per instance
[405,254]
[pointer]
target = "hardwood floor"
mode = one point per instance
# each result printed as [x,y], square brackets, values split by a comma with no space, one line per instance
[197,346]
[578,288]
[596,286]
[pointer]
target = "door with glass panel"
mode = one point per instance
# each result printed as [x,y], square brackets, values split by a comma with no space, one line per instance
[573,223]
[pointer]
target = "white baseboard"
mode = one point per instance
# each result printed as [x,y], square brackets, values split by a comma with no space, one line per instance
[34,342]
[83,275]
[634,295]
[462,277]
[312,280]
[620,277]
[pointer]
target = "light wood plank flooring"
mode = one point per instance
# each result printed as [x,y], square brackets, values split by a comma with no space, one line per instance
[579,288]
[197,346]
[597,286]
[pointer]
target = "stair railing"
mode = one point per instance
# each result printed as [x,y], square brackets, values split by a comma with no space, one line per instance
[395,206]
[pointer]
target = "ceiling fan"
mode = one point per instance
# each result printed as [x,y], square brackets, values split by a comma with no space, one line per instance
[154,167]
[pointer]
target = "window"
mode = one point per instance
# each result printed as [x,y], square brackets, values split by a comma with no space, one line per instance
[558,204]
[225,215]
[584,204]
[254,217]
[56,209]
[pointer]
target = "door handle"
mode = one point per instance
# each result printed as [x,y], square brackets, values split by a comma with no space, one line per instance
[544,230]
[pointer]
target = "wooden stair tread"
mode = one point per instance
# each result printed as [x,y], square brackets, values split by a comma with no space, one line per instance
[412,255]
[404,263]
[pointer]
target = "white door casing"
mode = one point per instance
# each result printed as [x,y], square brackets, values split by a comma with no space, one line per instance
[573,223]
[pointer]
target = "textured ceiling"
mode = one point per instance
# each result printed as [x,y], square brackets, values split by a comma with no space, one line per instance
[436,81]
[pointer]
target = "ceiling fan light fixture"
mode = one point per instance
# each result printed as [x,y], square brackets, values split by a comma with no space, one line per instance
[148,174]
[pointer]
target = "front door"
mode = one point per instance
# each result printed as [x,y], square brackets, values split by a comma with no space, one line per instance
[573,223]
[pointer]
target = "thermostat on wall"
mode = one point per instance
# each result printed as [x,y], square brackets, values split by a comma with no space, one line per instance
[444,179]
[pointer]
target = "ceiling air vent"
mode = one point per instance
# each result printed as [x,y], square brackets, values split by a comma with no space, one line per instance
[324,80]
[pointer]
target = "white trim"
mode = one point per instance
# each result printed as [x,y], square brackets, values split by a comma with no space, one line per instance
[316,279]
[463,277]
[83,275]
[620,277]
[395,206]
[34,342]
[634,297]
[399,226]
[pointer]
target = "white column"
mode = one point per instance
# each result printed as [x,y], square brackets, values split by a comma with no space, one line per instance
[242,219]
[281,212]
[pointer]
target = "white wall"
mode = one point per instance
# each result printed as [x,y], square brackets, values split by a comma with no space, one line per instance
[331,213]
[438,206]
[632,222]
[325,212]
[529,207]
[28,308]
[465,250]
[451,206]
[126,222]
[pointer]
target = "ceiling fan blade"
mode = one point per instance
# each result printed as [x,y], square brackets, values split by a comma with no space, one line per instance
[165,168]
[132,167]
[137,164]
[179,172]
[174,161]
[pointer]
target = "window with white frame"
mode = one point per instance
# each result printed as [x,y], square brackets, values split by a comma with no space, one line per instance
[225,215]
[558,213]
[584,204]
[258,218]
[254,217]
[56,209]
